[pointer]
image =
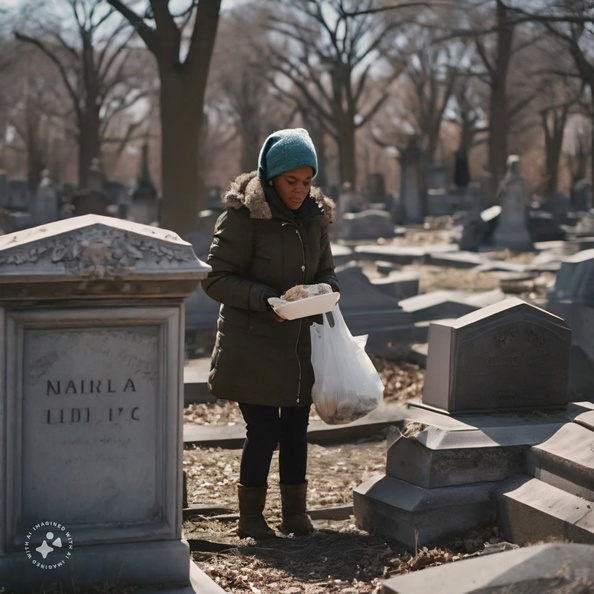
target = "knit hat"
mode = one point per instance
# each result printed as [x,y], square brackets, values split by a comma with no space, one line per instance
[285,150]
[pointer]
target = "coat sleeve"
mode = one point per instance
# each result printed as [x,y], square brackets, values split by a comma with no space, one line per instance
[229,256]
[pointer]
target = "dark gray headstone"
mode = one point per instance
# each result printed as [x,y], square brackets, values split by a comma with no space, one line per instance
[365,225]
[581,195]
[575,279]
[509,355]
[411,196]
[18,194]
[580,318]
[3,189]
[86,202]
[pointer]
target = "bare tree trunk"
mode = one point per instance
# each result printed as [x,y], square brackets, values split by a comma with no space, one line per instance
[498,110]
[553,122]
[346,152]
[181,117]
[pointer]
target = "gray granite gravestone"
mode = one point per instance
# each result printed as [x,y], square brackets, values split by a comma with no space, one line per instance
[412,197]
[512,228]
[46,202]
[508,355]
[91,380]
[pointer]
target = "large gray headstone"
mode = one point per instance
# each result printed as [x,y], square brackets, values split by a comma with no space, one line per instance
[508,355]
[512,228]
[92,337]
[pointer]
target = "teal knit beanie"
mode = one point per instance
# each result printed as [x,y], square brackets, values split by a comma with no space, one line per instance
[284,150]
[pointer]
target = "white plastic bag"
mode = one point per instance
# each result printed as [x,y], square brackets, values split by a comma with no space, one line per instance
[347,385]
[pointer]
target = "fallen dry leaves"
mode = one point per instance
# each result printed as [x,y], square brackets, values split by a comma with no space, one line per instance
[339,557]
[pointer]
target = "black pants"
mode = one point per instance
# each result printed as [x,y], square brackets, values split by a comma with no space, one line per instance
[267,428]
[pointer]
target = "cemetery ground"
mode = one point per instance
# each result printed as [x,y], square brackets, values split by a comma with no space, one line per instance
[338,557]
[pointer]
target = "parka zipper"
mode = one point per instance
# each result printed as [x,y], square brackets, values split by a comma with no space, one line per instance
[300,321]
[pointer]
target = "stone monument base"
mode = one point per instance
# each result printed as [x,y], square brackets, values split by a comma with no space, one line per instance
[163,564]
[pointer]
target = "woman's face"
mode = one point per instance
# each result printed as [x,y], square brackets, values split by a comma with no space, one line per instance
[293,186]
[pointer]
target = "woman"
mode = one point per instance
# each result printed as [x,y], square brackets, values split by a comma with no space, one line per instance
[272,236]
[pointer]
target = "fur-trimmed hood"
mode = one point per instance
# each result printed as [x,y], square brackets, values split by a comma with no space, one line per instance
[247,190]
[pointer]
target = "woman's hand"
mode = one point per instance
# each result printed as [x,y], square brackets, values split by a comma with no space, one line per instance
[277,317]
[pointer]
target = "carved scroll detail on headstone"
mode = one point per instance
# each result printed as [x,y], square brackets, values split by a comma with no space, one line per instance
[97,252]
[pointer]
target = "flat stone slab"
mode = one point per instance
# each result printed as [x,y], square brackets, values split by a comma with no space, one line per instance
[531,570]
[437,305]
[531,510]
[565,460]
[398,254]
[459,259]
[488,429]
[586,419]
[233,436]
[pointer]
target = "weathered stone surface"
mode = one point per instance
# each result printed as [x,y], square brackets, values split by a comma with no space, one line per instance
[530,510]
[94,255]
[399,284]
[366,321]
[366,225]
[565,460]
[358,293]
[393,342]
[430,449]
[575,279]
[416,516]
[586,419]
[530,570]
[504,356]
[437,305]
[91,397]
[424,458]
[580,318]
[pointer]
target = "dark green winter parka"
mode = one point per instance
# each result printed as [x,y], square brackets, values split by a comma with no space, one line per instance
[260,249]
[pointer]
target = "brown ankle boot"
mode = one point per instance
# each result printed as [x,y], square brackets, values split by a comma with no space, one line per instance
[251,505]
[295,518]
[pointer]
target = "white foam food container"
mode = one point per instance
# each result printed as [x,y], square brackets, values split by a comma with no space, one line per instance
[302,308]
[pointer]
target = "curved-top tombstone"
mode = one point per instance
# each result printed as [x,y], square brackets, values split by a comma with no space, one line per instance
[91,362]
[506,356]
